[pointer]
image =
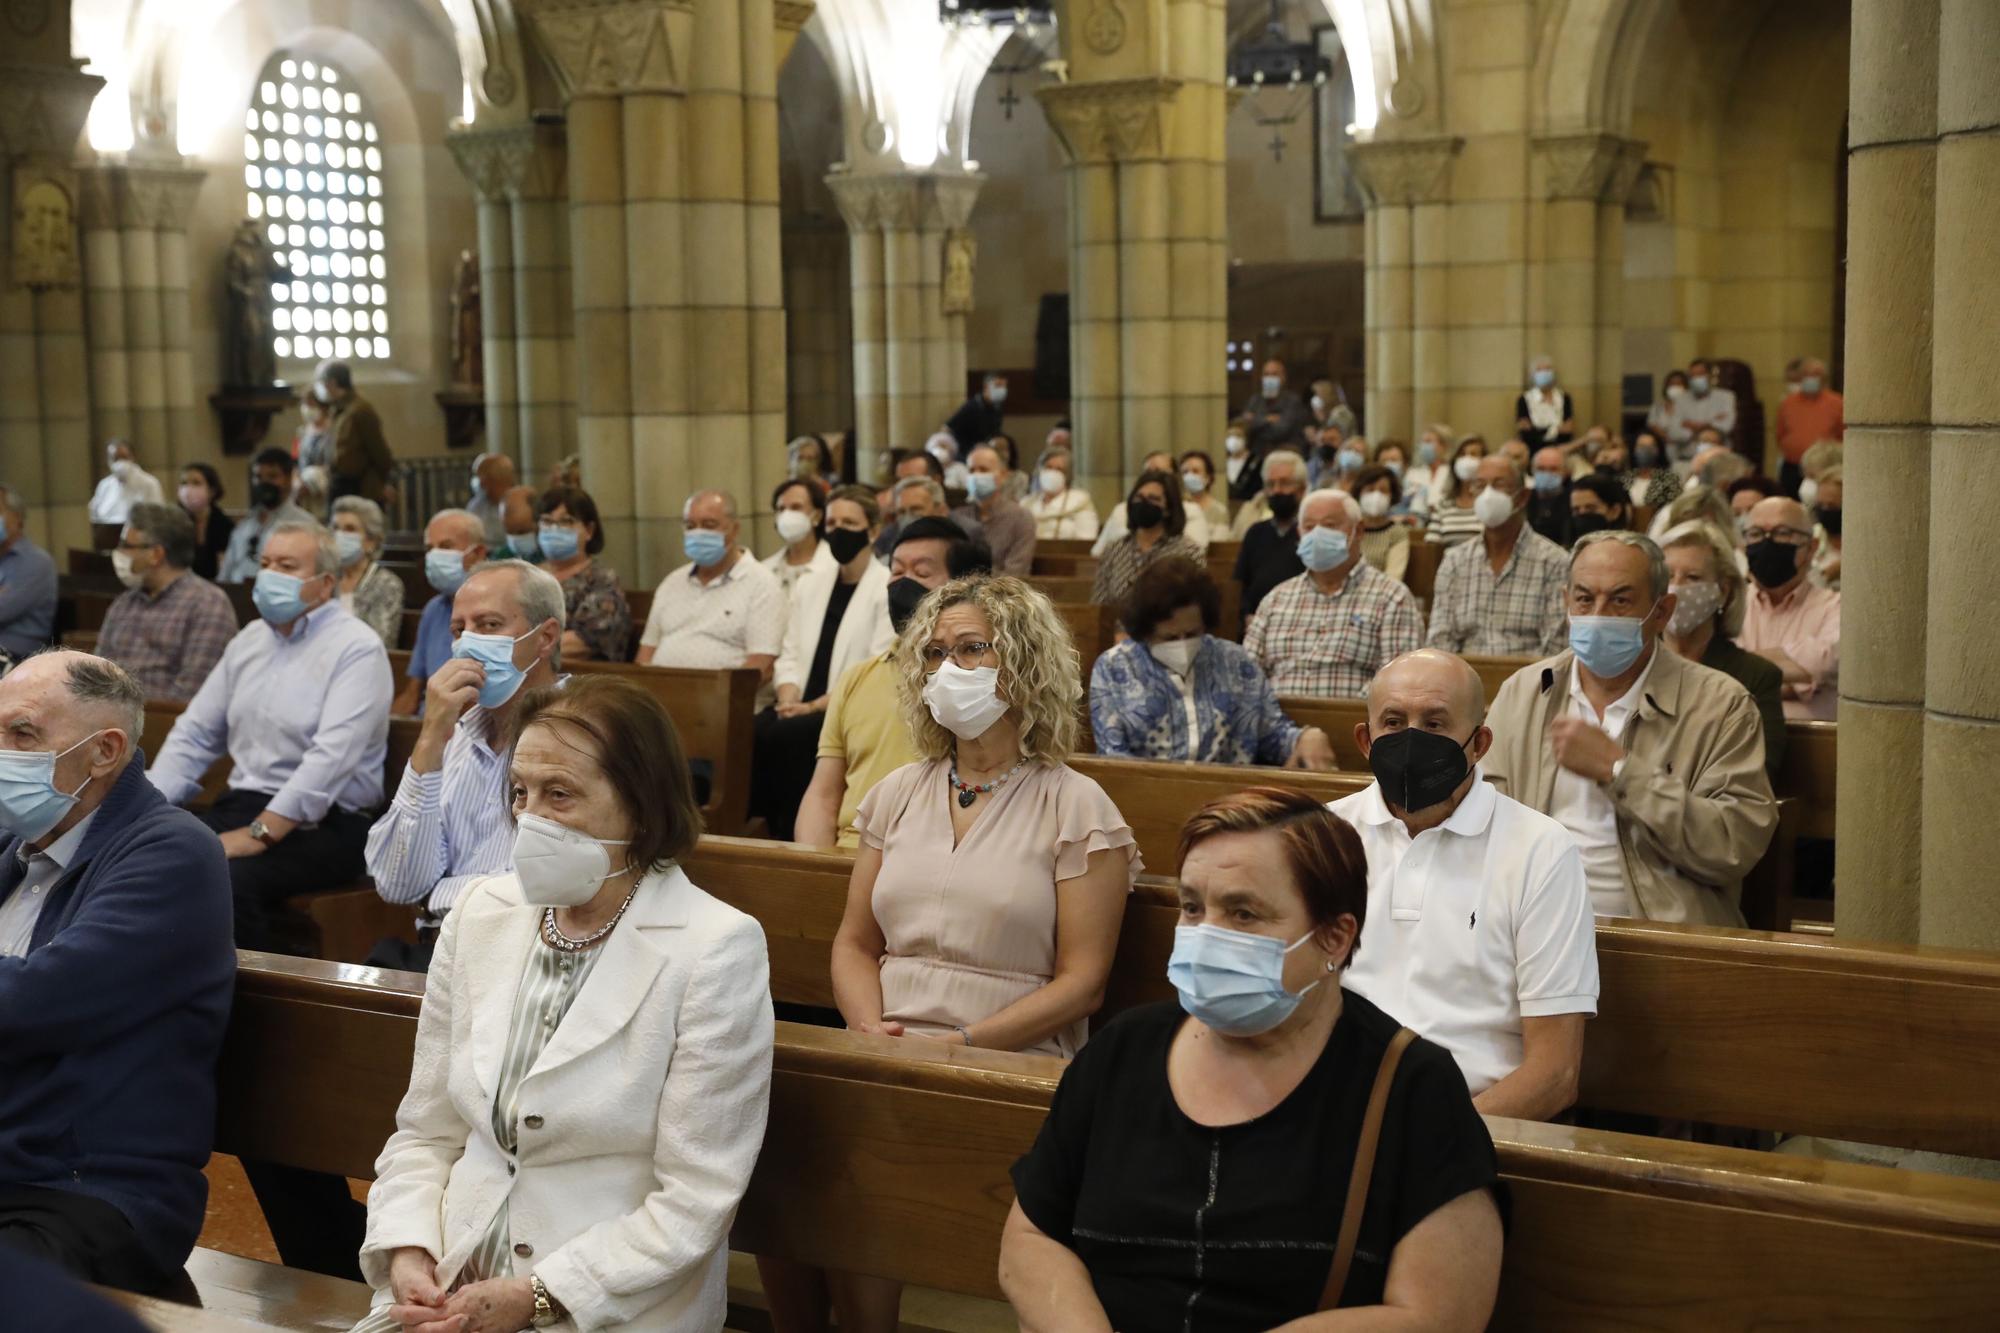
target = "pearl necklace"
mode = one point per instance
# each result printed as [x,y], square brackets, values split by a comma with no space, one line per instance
[553,934]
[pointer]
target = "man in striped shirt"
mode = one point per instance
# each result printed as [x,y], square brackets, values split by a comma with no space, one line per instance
[448,824]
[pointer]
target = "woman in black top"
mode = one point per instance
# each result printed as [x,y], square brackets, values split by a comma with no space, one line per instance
[1190,1178]
[201,495]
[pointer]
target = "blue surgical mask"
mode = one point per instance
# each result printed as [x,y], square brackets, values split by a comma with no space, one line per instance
[558,543]
[1350,460]
[1323,548]
[349,546]
[30,804]
[1272,386]
[1395,469]
[704,546]
[1548,483]
[279,597]
[1544,378]
[979,486]
[524,545]
[1427,453]
[445,570]
[495,652]
[1232,980]
[1607,645]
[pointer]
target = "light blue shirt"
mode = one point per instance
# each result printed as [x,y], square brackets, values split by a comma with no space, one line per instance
[303,718]
[239,562]
[27,598]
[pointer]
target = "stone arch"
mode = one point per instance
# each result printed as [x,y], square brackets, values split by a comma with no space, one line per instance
[1392,52]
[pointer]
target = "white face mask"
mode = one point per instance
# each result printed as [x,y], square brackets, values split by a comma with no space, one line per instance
[1233,444]
[1374,504]
[793,526]
[557,865]
[1809,492]
[1465,467]
[1493,507]
[121,564]
[965,703]
[122,469]
[1052,481]
[1177,656]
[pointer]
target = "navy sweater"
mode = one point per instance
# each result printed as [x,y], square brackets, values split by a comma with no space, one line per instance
[111,1024]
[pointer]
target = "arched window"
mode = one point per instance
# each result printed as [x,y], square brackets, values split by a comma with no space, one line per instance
[312,166]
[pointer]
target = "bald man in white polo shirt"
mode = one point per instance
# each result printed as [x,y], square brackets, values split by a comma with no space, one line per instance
[1480,934]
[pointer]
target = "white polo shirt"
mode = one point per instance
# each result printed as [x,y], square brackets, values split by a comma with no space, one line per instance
[715,625]
[1473,926]
[1585,809]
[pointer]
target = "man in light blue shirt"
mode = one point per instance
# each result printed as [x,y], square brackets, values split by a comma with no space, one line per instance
[454,546]
[270,504]
[449,823]
[300,705]
[27,585]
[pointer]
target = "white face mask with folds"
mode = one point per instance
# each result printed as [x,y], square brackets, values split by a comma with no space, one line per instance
[965,703]
[559,866]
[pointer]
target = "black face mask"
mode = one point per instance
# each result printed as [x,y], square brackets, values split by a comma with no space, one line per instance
[266,495]
[1327,455]
[845,543]
[1582,525]
[904,596]
[1828,519]
[1284,508]
[1772,564]
[1142,514]
[1418,769]
[1611,471]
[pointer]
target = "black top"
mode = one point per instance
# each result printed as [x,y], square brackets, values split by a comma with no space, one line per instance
[1766,684]
[829,630]
[1266,559]
[1549,515]
[975,422]
[1535,438]
[209,550]
[1232,1230]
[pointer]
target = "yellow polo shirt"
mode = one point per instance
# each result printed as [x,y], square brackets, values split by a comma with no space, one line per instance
[864,726]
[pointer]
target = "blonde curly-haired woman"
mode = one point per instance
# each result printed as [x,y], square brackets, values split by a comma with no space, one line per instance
[986,899]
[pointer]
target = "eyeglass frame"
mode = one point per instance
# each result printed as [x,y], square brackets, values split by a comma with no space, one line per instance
[933,655]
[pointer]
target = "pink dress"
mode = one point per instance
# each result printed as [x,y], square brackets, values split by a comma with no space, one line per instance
[971,929]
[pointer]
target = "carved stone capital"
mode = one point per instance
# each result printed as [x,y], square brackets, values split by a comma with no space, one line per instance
[600,47]
[905,200]
[123,197]
[521,161]
[1116,120]
[791,17]
[1583,166]
[1406,171]
[43,107]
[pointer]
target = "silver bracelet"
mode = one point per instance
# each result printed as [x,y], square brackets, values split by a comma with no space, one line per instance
[964,1036]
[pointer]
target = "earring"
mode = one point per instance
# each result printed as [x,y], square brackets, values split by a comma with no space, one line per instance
[1330,965]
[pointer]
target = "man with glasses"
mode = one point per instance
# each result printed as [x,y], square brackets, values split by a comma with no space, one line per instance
[1654,764]
[170,627]
[1790,620]
[1500,596]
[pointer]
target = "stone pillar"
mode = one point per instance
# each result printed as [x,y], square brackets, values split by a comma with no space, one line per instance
[1962,693]
[1407,183]
[1885,846]
[819,366]
[1575,302]
[909,354]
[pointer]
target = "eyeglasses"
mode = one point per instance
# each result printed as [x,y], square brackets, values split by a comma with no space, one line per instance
[1782,536]
[969,656]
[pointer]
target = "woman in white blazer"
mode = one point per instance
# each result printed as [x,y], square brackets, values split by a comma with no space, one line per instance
[593,1063]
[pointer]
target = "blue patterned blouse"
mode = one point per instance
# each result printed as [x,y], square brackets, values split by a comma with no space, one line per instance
[1141,710]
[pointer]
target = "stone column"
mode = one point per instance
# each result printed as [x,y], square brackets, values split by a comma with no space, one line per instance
[1407,183]
[544,353]
[1575,301]
[1962,692]
[481,155]
[1885,845]
[819,365]
[909,354]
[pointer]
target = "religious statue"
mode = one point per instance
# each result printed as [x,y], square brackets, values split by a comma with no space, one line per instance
[468,368]
[249,359]
[45,253]
[959,251]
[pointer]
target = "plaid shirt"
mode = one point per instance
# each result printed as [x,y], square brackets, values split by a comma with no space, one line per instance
[1330,647]
[1517,613]
[169,642]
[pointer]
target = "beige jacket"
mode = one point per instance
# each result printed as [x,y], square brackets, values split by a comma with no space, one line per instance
[1695,810]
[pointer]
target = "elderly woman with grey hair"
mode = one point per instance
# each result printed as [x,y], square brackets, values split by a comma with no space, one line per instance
[1709,600]
[372,594]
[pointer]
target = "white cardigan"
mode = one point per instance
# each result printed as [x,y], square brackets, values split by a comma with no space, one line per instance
[865,631]
[640,1123]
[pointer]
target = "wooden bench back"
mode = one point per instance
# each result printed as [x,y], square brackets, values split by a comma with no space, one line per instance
[1812,759]
[1788,1033]
[417,588]
[885,1158]
[714,713]
[1421,576]
[1095,629]
[1156,797]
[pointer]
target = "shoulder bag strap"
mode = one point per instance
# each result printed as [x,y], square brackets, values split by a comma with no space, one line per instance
[1364,1169]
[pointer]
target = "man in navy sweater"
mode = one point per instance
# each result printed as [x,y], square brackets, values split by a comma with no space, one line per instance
[116,969]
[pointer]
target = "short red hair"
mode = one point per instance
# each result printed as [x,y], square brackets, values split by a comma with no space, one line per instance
[1322,850]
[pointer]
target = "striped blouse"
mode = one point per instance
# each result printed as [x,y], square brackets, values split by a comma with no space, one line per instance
[1449,525]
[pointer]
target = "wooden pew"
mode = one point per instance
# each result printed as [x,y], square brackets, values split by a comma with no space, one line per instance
[713,711]
[1095,629]
[1157,797]
[1786,1033]
[417,588]
[1812,756]
[886,1158]
[1421,576]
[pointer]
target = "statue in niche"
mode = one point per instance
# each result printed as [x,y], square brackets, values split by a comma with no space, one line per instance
[468,369]
[248,357]
[959,252]
[44,234]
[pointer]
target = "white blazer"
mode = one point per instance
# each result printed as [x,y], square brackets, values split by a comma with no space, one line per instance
[865,631]
[640,1123]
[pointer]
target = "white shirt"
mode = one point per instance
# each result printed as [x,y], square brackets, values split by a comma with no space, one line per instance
[864,629]
[788,575]
[714,625]
[22,910]
[113,499]
[1114,528]
[1585,809]
[1473,926]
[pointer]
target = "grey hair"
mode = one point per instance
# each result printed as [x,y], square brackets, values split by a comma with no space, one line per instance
[373,526]
[1821,456]
[539,594]
[10,500]
[166,526]
[466,519]
[1656,559]
[728,503]
[1348,505]
[929,487]
[1282,456]
[101,681]
[1723,469]
[329,554]
[1722,552]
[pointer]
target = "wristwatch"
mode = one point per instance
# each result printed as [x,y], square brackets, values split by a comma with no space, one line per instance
[547,1313]
[262,833]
